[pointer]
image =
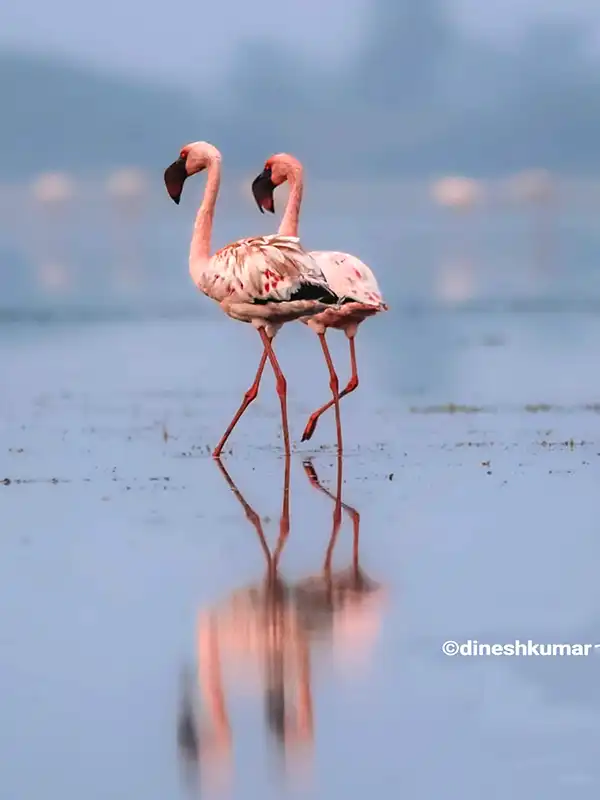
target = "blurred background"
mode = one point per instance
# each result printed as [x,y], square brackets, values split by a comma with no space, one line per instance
[450,144]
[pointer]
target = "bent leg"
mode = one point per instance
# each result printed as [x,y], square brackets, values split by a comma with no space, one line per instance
[351,386]
[281,385]
[335,390]
[250,395]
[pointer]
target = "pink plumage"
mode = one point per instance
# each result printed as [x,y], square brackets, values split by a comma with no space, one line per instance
[356,286]
[274,268]
[348,276]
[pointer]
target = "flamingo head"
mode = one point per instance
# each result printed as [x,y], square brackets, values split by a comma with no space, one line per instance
[193,158]
[276,171]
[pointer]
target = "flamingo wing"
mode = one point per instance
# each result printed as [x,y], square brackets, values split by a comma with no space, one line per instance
[348,277]
[265,269]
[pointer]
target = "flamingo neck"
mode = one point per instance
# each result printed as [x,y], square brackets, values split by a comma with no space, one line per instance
[200,246]
[290,221]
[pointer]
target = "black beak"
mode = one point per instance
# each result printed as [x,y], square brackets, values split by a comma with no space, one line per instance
[175,176]
[262,189]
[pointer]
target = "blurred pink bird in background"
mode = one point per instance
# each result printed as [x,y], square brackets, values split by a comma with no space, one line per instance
[264,280]
[347,276]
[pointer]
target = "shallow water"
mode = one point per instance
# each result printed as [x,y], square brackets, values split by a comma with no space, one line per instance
[472,458]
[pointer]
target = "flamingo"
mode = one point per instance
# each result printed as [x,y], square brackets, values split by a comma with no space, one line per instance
[347,276]
[263,280]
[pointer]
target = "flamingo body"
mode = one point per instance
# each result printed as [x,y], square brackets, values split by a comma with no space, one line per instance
[356,286]
[348,276]
[264,280]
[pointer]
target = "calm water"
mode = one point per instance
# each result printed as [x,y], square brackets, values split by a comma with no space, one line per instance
[123,542]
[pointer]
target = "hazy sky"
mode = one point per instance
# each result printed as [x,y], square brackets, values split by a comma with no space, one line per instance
[172,40]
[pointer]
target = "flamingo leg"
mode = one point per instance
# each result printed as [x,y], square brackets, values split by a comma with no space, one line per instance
[335,390]
[352,385]
[281,385]
[250,395]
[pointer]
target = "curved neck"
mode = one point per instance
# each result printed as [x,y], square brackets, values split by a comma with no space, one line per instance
[289,223]
[200,246]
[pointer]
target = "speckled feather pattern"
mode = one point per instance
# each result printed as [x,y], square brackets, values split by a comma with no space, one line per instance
[348,277]
[261,267]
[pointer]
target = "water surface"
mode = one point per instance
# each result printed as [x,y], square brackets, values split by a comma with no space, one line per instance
[472,460]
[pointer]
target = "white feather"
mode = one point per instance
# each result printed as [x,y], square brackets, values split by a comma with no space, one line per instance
[348,277]
[259,267]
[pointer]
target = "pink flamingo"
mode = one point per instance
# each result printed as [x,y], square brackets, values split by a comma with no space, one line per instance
[347,276]
[264,280]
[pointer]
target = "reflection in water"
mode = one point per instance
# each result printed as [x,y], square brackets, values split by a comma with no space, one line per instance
[536,191]
[187,732]
[456,277]
[345,603]
[265,632]
[455,280]
[52,194]
[128,191]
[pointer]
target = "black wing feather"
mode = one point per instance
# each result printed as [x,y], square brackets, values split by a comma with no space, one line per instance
[305,291]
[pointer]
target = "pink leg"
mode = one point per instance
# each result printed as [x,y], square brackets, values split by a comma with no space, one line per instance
[352,385]
[250,395]
[281,388]
[335,390]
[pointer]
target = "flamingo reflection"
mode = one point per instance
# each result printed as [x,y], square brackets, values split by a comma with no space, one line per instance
[266,631]
[346,601]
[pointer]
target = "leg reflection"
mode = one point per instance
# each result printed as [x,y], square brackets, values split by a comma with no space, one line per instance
[359,577]
[252,636]
[282,646]
[187,731]
[342,604]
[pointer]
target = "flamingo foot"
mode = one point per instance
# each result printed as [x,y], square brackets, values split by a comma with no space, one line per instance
[310,427]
